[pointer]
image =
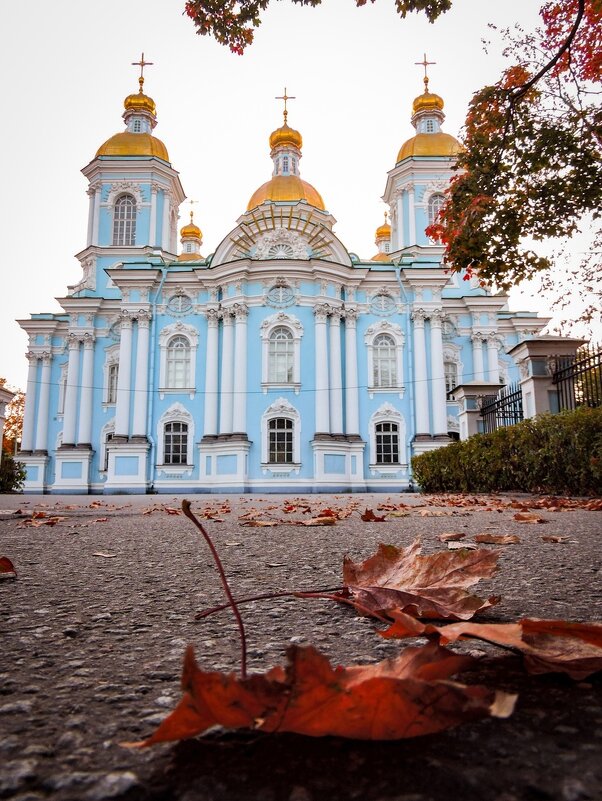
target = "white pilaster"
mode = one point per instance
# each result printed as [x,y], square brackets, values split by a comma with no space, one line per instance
[493,363]
[400,239]
[439,394]
[351,381]
[411,215]
[96,223]
[210,426]
[421,394]
[239,421]
[477,357]
[91,195]
[141,377]
[321,360]
[124,378]
[336,374]
[152,233]
[71,391]
[226,399]
[84,435]
[165,228]
[27,436]
[41,438]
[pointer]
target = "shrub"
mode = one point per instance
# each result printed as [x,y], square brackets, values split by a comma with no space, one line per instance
[560,453]
[12,474]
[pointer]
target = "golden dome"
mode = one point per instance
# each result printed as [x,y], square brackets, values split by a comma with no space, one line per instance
[282,188]
[429,144]
[427,101]
[133,144]
[381,257]
[190,257]
[191,230]
[384,230]
[140,102]
[286,136]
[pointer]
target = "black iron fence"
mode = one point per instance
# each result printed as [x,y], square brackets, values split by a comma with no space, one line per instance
[503,409]
[578,379]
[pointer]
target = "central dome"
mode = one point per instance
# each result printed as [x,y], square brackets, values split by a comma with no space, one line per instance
[429,144]
[283,188]
[133,144]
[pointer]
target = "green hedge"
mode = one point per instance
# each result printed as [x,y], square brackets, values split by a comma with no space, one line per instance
[556,453]
[12,474]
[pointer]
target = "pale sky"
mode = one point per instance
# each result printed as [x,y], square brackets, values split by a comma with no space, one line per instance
[66,70]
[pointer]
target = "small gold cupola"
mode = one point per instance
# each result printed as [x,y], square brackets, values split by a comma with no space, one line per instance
[191,239]
[382,240]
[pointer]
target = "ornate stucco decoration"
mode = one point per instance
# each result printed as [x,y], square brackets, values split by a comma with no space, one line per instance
[281,244]
[125,188]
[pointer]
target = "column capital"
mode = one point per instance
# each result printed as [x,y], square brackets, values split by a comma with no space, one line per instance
[240,311]
[125,318]
[418,316]
[493,340]
[46,357]
[321,312]
[350,316]
[436,316]
[144,318]
[477,336]
[213,317]
[31,356]
[73,341]
[88,340]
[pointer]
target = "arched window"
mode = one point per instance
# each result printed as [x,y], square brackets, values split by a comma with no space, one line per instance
[435,205]
[280,445]
[124,221]
[384,361]
[281,356]
[175,443]
[178,363]
[451,375]
[387,443]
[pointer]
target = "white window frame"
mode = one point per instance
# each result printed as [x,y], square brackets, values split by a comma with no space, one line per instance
[177,364]
[452,353]
[387,413]
[176,413]
[165,336]
[290,322]
[394,331]
[60,408]
[125,236]
[281,408]
[431,212]
[103,458]
[111,360]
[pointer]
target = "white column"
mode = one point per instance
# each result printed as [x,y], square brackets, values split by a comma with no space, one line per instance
[477,357]
[124,378]
[165,232]
[336,374]
[421,393]
[239,422]
[351,388]
[400,221]
[96,224]
[84,435]
[493,363]
[91,195]
[141,377]
[27,435]
[152,232]
[322,402]
[439,394]
[44,404]
[226,400]
[210,427]
[411,215]
[71,392]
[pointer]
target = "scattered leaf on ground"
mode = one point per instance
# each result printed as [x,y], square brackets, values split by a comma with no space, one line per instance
[424,585]
[529,517]
[398,698]
[554,538]
[105,555]
[457,546]
[258,523]
[6,567]
[451,536]
[369,517]
[326,520]
[497,539]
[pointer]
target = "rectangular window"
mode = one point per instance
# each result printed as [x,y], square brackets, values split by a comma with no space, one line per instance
[387,443]
[451,375]
[281,441]
[175,443]
[112,383]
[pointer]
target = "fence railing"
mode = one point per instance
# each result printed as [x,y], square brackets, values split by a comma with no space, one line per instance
[503,409]
[578,379]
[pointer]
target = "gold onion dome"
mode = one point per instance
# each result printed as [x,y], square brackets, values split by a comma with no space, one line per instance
[283,188]
[286,136]
[133,144]
[427,101]
[430,144]
[190,230]
[384,230]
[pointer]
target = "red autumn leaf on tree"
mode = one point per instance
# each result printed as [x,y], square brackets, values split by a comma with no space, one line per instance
[548,646]
[409,696]
[422,585]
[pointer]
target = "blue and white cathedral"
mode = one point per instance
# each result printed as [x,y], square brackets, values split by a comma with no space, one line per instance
[282,362]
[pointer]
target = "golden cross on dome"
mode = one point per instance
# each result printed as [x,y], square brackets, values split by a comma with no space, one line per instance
[192,202]
[424,63]
[285,97]
[142,64]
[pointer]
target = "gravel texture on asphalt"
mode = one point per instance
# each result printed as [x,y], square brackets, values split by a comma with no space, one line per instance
[94,627]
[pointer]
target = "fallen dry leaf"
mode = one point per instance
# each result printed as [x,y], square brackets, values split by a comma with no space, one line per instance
[424,585]
[258,523]
[554,538]
[369,517]
[326,520]
[548,646]
[404,697]
[457,546]
[497,539]
[6,567]
[451,536]
[529,517]
[100,520]
[104,555]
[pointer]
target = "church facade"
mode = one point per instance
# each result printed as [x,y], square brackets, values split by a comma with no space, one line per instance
[282,361]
